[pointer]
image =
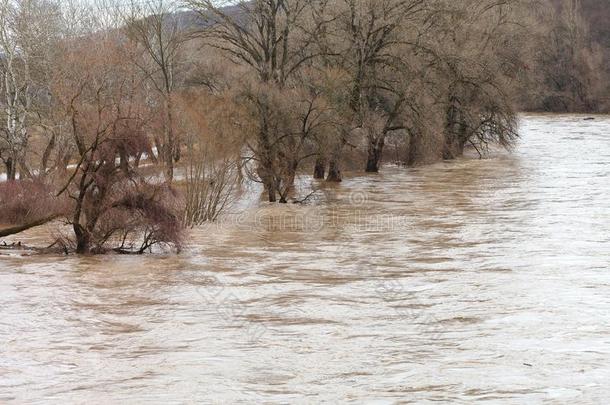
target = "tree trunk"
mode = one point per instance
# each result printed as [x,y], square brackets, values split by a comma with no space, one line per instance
[319,170]
[266,168]
[123,160]
[22,228]
[375,153]
[270,187]
[455,141]
[83,240]
[334,173]
[452,148]
[10,169]
[291,176]
[169,147]
[46,155]
[63,162]
[265,173]
[24,170]
[413,154]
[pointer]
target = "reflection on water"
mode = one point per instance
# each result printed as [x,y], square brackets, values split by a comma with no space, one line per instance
[470,280]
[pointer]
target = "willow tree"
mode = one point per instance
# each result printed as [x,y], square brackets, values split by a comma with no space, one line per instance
[371,39]
[478,57]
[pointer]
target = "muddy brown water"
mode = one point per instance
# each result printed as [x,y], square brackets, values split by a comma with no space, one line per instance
[476,280]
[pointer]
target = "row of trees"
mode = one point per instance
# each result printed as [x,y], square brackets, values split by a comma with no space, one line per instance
[320,78]
[130,121]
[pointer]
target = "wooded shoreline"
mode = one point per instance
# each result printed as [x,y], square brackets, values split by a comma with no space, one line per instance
[102,105]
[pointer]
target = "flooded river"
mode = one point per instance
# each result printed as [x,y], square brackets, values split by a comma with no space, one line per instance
[482,280]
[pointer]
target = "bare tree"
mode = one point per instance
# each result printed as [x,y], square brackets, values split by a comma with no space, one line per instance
[15,84]
[28,34]
[475,50]
[371,41]
[112,203]
[211,126]
[156,27]
[273,39]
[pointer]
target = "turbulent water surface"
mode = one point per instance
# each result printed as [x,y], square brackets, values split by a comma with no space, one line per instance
[479,280]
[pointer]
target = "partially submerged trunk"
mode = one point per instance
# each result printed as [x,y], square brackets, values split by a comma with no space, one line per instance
[83,239]
[375,153]
[11,169]
[319,170]
[334,172]
[289,187]
[266,168]
[170,144]
[268,179]
[455,131]
[270,187]
[22,228]
[454,147]
[456,137]
[414,151]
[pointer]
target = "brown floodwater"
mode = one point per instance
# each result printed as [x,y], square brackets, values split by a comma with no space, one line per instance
[474,280]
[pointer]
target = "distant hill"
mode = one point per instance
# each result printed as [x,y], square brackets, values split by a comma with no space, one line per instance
[192,20]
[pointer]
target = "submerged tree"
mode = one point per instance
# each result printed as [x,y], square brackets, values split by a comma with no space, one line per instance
[113,204]
[103,105]
[273,40]
[372,41]
[478,61]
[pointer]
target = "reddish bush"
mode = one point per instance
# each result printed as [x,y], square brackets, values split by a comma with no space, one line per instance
[28,201]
